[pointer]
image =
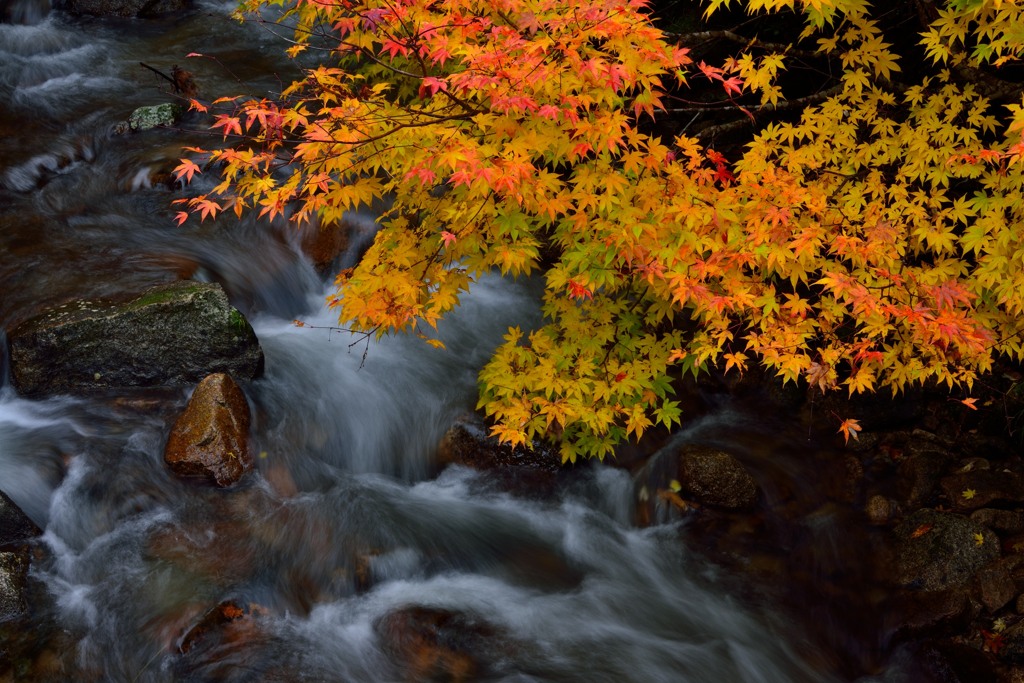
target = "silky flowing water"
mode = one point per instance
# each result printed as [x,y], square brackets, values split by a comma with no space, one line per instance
[346,518]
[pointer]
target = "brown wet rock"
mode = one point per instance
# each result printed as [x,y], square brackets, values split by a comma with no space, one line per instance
[713,477]
[211,437]
[976,489]
[215,551]
[437,644]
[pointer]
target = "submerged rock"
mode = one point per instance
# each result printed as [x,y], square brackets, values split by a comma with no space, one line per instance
[170,335]
[713,477]
[211,437]
[438,644]
[228,621]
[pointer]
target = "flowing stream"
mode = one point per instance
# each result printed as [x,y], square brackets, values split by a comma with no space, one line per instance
[346,519]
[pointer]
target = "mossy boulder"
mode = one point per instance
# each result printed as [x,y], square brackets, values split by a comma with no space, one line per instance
[170,335]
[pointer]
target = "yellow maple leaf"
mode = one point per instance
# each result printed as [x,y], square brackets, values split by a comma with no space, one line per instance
[968,494]
[979,539]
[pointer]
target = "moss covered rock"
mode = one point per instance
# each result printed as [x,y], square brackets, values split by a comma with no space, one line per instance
[170,335]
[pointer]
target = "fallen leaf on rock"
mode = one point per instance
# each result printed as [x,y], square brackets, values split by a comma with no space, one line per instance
[922,530]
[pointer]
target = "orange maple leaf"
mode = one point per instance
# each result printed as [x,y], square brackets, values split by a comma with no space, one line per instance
[848,428]
[186,168]
[922,530]
[969,402]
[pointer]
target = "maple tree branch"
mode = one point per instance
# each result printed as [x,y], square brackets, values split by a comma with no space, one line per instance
[700,38]
[738,124]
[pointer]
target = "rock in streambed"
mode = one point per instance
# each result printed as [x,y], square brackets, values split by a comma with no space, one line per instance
[170,335]
[211,438]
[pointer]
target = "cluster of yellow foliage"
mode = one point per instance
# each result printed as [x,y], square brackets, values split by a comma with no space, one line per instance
[878,241]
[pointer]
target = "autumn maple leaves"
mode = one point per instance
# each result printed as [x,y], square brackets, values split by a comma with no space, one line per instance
[833,251]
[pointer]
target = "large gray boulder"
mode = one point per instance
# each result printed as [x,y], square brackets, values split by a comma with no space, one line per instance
[123,8]
[170,335]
